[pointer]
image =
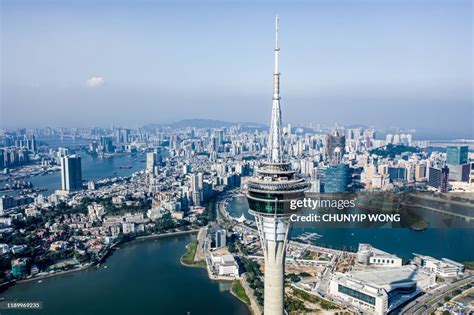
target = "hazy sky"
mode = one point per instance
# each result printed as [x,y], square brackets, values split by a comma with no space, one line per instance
[382,63]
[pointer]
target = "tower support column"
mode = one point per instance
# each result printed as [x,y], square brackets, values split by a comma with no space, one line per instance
[273,230]
[274,282]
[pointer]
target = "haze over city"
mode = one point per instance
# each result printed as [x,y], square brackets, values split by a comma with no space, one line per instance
[84,63]
[148,164]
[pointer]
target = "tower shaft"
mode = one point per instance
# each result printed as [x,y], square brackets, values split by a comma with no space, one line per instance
[273,232]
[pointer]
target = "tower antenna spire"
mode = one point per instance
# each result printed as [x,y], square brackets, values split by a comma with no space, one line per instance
[277,44]
[275,141]
[277,21]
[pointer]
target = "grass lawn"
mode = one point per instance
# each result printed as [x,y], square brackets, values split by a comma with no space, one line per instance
[188,257]
[239,291]
[325,304]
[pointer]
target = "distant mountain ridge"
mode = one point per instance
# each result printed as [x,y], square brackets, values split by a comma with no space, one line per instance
[204,123]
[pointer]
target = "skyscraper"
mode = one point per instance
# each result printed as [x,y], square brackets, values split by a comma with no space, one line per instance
[269,194]
[438,178]
[420,172]
[71,173]
[337,178]
[335,146]
[150,162]
[457,155]
[106,145]
[196,188]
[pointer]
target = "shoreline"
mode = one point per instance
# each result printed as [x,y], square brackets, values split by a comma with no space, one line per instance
[4,287]
[250,306]
[83,267]
[151,236]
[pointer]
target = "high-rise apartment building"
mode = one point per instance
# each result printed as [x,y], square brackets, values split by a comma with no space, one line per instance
[71,173]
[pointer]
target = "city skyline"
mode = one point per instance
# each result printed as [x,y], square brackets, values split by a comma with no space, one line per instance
[138,156]
[372,64]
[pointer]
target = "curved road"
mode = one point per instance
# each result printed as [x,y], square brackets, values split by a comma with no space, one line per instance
[428,302]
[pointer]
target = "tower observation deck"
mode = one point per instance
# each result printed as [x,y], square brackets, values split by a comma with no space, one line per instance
[269,194]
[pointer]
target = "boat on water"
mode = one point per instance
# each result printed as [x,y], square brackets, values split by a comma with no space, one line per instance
[419,225]
[418,229]
[241,219]
[309,236]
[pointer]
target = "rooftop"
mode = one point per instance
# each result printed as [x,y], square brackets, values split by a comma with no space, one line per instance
[386,277]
